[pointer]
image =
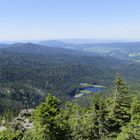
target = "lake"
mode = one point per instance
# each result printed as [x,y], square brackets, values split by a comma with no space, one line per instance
[94,89]
[86,90]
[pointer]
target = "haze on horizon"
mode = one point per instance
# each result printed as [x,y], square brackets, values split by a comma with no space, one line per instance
[63,19]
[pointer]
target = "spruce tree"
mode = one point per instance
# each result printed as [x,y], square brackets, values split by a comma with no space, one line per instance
[51,122]
[132,130]
[119,106]
[99,113]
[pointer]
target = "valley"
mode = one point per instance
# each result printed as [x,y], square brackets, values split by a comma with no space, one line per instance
[28,72]
[70,70]
[86,89]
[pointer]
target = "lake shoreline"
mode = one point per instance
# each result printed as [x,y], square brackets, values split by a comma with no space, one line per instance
[86,89]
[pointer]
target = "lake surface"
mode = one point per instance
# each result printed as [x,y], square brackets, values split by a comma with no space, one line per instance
[94,89]
[86,90]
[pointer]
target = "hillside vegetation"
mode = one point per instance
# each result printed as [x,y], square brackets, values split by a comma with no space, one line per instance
[28,72]
[114,117]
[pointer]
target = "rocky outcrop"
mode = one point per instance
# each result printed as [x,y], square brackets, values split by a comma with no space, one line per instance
[2,128]
[23,122]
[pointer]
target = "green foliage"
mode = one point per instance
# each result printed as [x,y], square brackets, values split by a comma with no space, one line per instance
[25,80]
[8,116]
[132,129]
[51,121]
[99,113]
[119,107]
[7,135]
[116,117]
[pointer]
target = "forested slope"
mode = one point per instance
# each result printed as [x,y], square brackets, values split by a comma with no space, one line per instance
[113,117]
[26,77]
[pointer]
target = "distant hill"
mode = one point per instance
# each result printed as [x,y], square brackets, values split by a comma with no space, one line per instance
[28,72]
[131,46]
[121,50]
[4,45]
[56,43]
[39,49]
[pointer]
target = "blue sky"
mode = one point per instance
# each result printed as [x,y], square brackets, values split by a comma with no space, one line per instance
[60,19]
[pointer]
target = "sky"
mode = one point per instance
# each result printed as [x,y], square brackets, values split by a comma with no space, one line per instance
[63,19]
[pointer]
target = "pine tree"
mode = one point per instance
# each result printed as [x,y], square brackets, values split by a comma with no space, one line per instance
[132,130]
[119,107]
[75,114]
[99,113]
[51,122]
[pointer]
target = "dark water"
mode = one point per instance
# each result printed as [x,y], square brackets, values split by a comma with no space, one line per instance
[92,89]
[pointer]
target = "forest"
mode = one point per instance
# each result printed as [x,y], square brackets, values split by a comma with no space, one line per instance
[35,102]
[27,78]
[105,118]
[70,70]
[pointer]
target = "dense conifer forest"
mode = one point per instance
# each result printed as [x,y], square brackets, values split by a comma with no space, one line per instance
[27,77]
[114,117]
[35,101]
[69,69]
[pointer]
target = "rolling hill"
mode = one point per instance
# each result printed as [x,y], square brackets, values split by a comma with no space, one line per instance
[120,50]
[28,72]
